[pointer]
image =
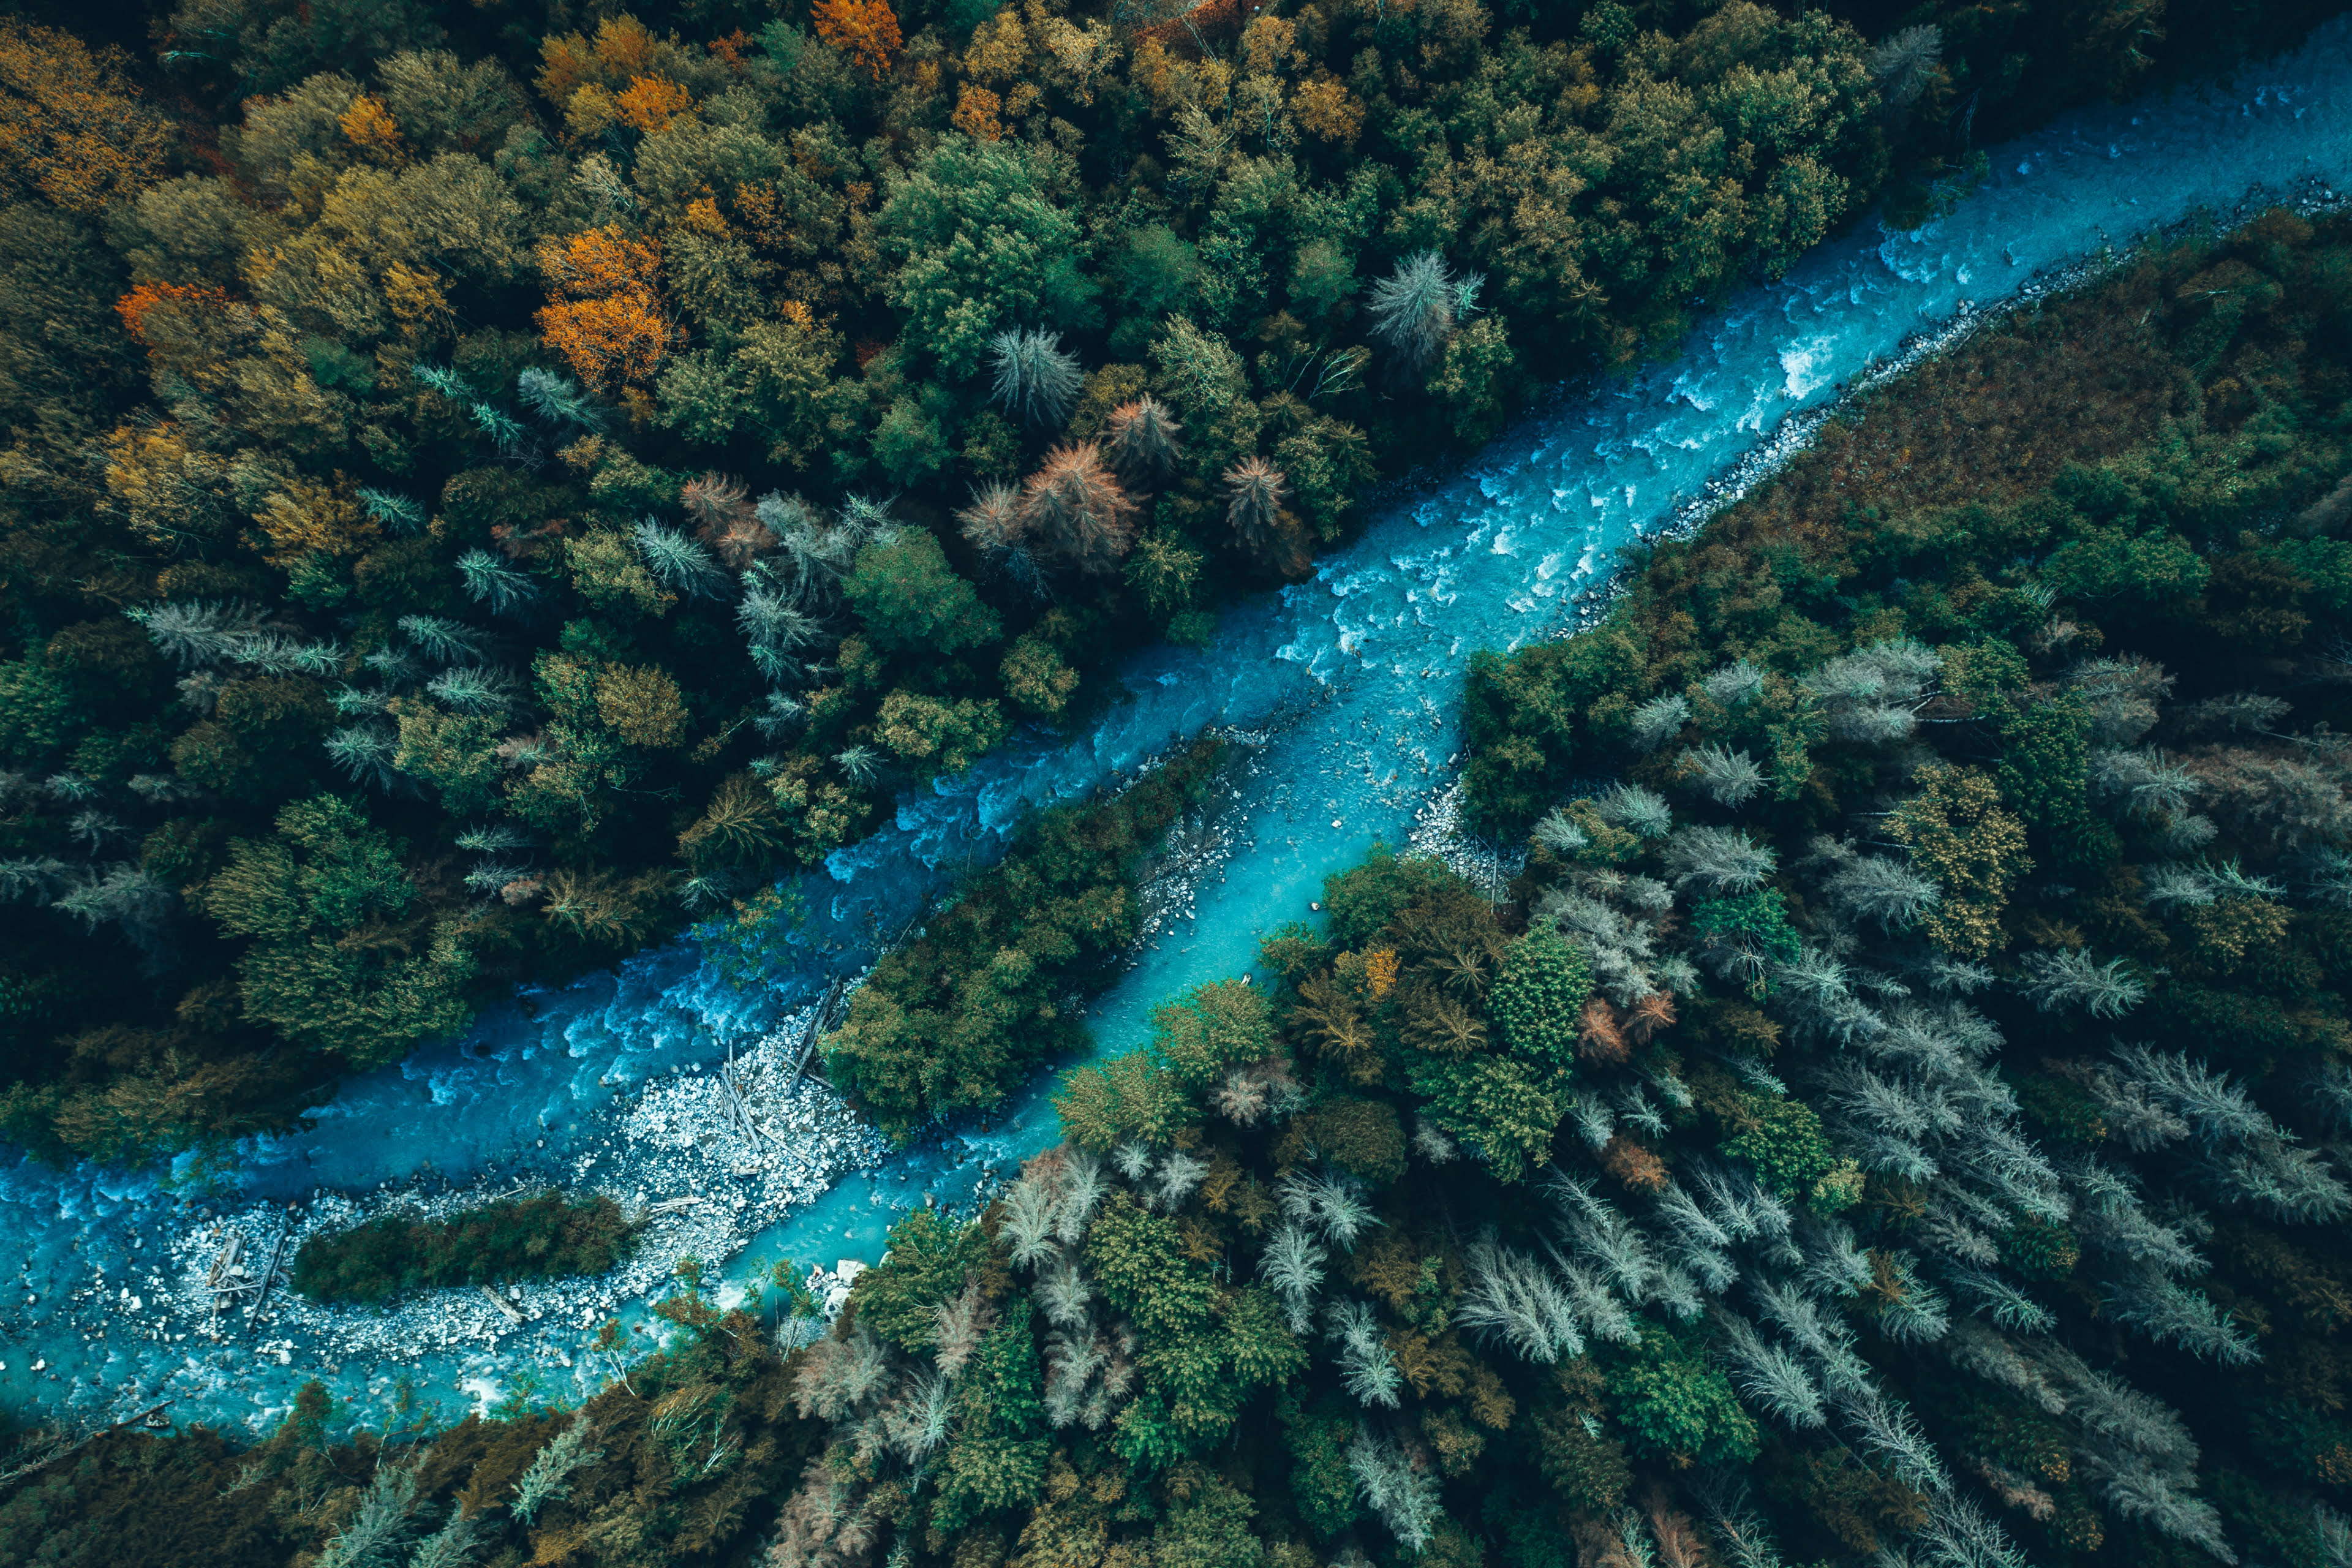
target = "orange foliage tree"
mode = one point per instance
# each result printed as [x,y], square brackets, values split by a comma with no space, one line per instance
[605,315]
[866,30]
[71,125]
[652,103]
[193,330]
[976,114]
[1075,511]
[135,307]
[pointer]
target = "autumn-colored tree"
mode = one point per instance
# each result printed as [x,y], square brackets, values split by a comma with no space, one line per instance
[71,125]
[726,519]
[1254,491]
[159,314]
[651,102]
[604,314]
[993,520]
[866,30]
[1325,107]
[1141,438]
[976,114]
[1074,510]
[368,126]
[304,517]
[641,706]
[621,49]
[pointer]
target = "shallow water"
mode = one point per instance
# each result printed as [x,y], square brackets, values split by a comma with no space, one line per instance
[1351,680]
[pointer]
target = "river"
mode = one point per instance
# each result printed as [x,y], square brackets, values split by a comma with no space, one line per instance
[1345,687]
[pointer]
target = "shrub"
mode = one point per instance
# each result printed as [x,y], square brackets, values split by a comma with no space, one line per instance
[541,1237]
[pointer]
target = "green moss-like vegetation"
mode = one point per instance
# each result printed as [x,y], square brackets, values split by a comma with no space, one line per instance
[536,1237]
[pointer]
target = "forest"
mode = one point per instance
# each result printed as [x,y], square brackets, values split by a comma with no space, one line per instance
[488,488]
[497,1243]
[1898,1115]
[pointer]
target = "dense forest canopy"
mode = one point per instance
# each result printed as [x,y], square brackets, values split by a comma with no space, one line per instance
[1901,1117]
[487,486]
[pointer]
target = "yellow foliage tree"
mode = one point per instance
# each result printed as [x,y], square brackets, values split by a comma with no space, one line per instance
[976,114]
[305,517]
[174,492]
[651,102]
[641,705]
[71,125]
[370,127]
[621,49]
[1327,109]
[1959,834]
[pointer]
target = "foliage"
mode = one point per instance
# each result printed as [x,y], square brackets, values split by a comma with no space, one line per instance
[394,366]
[955,1017]
[673,1461]
[2022,750]
[1538,995]
[1698,1197]
[300,897]
[541,1237]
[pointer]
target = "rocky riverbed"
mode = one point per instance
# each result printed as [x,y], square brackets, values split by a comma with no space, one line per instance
[680,1149]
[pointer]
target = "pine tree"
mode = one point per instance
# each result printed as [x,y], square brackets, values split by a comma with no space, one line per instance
[1635,809]
[1874,887]
[1413,309]
[1293,1264]
[1659,720]
[443,380]
[489,579]
[1037,379]
[678,561]
[402,514]
[1906,61]
[198,633]
[727,520]
[492,837]
[993,520]
[1141,437]
[1513,1299]
[2072,978]
[453,1544]
[1403,1493]
[1718,861]
[505,431]
[1254,491]
[364,753]
[382,1525]
[1075,511]
[1734,684]
[549,1477]
[558,400]
[473,688]
[1729,777]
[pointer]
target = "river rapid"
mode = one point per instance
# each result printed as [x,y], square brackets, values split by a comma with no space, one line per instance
[1342,693]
